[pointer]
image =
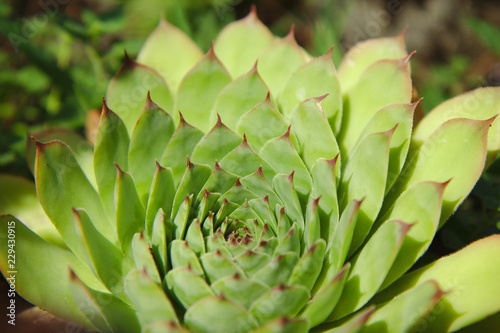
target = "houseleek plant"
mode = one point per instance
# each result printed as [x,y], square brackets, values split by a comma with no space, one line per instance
[255,188]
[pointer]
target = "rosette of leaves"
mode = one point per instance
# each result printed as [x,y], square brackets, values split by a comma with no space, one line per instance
[261,191]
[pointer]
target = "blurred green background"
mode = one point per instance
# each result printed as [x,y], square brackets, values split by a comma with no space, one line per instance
[57,56]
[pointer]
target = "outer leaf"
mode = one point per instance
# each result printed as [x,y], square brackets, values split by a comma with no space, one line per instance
[79,146]
[36,257]
[148,298]
[456,151]
[388,117]
[309,266]
[128,90]
[57,177]
[238,97]
[157,53]
[466,278]
[364,54]
[111,147]
[479,104]
[271,66]
[116,314]
[420,204]
[151,135]
[316,78]
[370,268]
[200,88]
[385,82]
[364,179]
[105,258]
[241,42]
[404,312]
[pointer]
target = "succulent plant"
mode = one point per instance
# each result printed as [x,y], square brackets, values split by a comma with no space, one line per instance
[284,196]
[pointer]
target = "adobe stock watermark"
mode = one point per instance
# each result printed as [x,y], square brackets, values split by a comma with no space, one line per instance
[31,26]
[378,20]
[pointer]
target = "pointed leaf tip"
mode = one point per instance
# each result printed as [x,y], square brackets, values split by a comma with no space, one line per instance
[406,60]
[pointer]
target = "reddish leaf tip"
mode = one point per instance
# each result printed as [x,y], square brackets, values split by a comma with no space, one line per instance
[403,62]
[290,177]
[238,183]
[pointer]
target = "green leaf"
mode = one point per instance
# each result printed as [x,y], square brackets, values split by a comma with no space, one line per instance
[232,162]
[127,92]
[159,242]
[316,78]
[187,286]
[309,266]
[182,255]
[57,176]
[130,213]
[406,311]
[382,83]
[216,314]
[283,185]
[241,42]
[164,327]
[325,300]
[364,54]
[385,119]
[272,65]
[420,204]
[157,53]
[465,277]
[215,144]
[370,267]
[151,134]
[220,181]
[316,139]
[277,271]
[181,145]
[280,301]
[262,123]
[218,266]
[105,258]
[283,157]
[161,196]
[18,197]
[479,104]
[109,310]
[239,289]
[199,90]
[148,298]
[192,183]
[49,263]
[238,97]
[283,325]
[79,146]
[143,257]
[251,262]
[111,147]
[325,186]
[364,178]
[456,151]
